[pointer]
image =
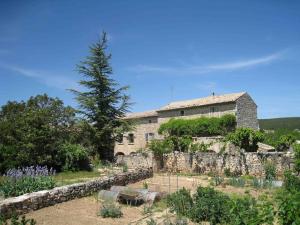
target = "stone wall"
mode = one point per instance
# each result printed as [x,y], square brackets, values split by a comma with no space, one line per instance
[37,200]
[246,113]
[139,160]
[251,163]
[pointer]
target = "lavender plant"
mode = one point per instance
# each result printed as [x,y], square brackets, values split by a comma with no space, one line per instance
[26,180]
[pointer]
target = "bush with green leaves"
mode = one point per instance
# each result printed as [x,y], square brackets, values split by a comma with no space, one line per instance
[160,147]
[15,220]
[204,126]
[210,205]
[288,207]
[291,182]
[270,171]
[109,209]
[285,142]
[246,138]
[281,139]
[288,200]
[248,210]
[199,147]
[296,148]
[180,202]
[74,157]
[215,207]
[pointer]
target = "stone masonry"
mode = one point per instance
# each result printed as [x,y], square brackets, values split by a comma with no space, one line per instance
[147,123]
[37,200]
[251,163]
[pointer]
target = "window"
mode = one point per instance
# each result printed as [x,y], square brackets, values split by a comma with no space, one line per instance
[130,138]
[150,121]
[149,137]
[120,139]
[213,109]
[181,113]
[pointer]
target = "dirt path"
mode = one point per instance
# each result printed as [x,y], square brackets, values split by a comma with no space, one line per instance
[81,211]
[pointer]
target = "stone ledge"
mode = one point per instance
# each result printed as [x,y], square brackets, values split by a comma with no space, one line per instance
[37,200]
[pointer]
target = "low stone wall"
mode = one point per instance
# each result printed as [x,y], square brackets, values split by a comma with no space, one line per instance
[139,160]
[251,163]
[37,200]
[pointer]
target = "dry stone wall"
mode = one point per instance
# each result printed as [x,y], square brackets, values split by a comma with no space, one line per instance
[37,200]
[251,163]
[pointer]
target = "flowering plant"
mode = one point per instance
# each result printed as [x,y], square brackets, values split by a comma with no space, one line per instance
[27,179]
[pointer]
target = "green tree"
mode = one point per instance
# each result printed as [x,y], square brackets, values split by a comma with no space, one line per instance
[246,138]
[103,102]
[33,131]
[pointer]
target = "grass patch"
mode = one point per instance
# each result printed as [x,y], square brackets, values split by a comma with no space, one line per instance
[65,178]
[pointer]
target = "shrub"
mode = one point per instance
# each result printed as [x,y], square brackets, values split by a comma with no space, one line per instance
[111,210]
[291,182]
[288,207]
[74,157]
[199,147]
[246,210]
[281,139]
[160,147]
[180,202]
[270,171]
[210,205]
[30,179]
[285,142]
[296,148]
[16,221]
[245,138]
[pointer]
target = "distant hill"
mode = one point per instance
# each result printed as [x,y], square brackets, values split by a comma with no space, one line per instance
[290,123]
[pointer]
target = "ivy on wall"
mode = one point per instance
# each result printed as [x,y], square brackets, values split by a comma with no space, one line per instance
[204,126]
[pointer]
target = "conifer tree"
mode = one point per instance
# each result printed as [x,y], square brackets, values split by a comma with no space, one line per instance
[103,102]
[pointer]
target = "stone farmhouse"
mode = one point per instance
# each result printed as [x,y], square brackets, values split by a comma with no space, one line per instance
[147,123]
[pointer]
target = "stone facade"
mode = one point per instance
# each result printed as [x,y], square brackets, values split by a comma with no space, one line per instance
[37,200]
[246,112]
[147,123]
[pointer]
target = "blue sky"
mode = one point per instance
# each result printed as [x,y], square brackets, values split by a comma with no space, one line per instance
[165,50]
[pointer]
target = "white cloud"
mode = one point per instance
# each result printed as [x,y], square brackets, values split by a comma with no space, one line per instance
[50,80]
[202,69]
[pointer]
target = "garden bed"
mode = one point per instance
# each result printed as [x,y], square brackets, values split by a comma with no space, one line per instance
[85,210]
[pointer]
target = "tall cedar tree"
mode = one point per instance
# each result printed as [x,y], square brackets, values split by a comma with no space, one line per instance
[104,102]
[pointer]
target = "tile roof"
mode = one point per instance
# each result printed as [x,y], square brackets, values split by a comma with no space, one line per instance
[213,99]
[151,113]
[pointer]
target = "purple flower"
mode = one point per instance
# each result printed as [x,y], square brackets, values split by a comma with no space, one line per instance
[30,171]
